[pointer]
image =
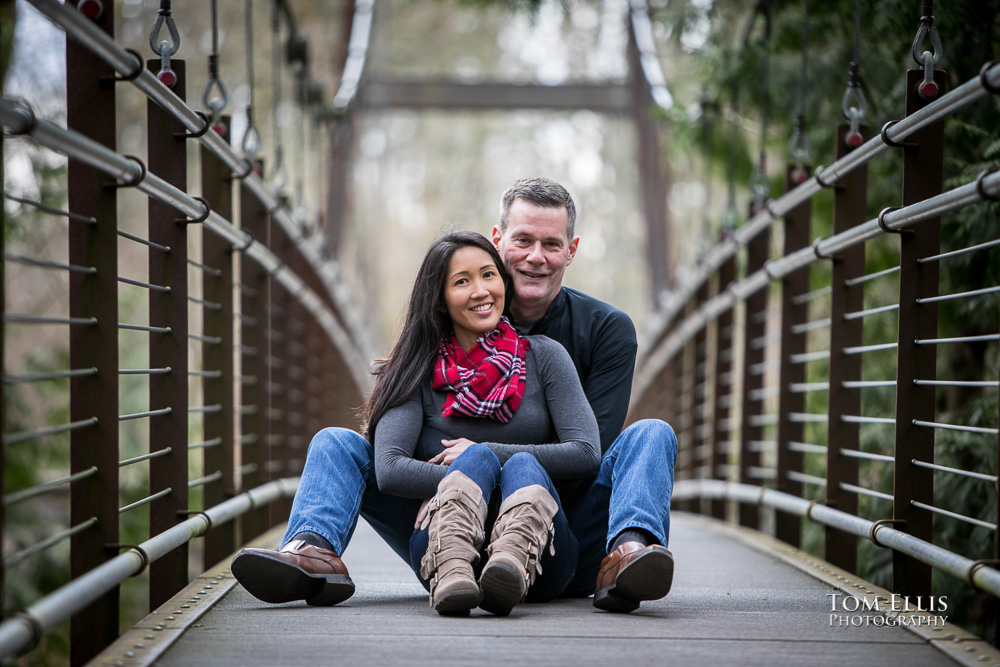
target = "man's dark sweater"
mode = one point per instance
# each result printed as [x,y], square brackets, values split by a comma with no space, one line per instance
[601,341]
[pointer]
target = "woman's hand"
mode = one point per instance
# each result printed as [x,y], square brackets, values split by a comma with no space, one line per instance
[422,513]
[452,448]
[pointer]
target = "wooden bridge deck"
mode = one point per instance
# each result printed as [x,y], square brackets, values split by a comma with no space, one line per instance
[738,598]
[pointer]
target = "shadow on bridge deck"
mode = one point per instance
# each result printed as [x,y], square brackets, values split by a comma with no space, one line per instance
[738,598]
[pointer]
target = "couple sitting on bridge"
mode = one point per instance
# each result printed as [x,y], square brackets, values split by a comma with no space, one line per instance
[494,421]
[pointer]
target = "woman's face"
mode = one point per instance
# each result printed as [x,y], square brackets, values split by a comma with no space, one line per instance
[474,294]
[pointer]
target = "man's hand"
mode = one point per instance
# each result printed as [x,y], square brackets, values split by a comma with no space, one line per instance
[452,448]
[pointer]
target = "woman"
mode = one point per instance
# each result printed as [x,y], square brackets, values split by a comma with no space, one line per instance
[460,368]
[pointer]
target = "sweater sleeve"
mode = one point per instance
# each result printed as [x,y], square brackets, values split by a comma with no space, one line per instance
[396,436]
[609,383]
[577,453]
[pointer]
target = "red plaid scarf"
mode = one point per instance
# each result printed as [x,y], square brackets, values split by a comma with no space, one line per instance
[489,380]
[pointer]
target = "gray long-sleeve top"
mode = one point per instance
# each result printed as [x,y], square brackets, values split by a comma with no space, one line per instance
[554,423]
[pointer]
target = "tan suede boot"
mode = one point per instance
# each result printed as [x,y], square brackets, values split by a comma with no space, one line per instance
[521,534]
[456,516]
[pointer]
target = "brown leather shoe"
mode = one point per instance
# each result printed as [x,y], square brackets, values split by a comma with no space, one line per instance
[631,573]
[300,571]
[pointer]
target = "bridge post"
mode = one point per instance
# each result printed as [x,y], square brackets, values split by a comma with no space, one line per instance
[167,157]
[683,406]
[725,346]
[253,369]
[923,159]
[90,110]
[701,442]
[849,209]
[755,326]
[798,223]
[277,360]
[217,352]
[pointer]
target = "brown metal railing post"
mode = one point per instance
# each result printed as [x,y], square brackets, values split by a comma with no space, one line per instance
[798,223]
[217,352]
[849,205]
[90,110]
[167,152]
[277,362]
[722,432]
[995,604]
[3,422]
[298,388]
[700,442]
[683,402]
[923,156]
[753,355]
[253,308]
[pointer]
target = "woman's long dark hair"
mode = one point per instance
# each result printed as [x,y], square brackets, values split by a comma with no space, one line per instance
[426,323]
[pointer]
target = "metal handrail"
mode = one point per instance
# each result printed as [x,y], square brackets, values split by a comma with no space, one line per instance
[893,135]
[985,189]
[19,632]
[126,170]
[880,534]
[77,26]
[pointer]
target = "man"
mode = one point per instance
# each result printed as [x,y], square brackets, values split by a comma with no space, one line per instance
[621,517]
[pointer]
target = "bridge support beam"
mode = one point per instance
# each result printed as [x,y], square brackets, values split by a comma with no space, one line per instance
[849,209]
[754,327]
[167,157]
[798,224]
[90,110]
[923,164]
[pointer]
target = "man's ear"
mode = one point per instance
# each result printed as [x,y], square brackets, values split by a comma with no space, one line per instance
[572,249]
[497,235]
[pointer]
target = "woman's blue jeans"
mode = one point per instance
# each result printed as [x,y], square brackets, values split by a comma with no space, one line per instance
[481,465]
[631,490]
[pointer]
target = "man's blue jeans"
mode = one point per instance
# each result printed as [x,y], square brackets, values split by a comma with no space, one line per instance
[481,465]
[631,490]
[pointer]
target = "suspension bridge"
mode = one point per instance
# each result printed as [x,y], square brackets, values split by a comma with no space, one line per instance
[799,465]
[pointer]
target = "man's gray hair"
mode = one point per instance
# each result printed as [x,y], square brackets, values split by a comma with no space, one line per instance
[540,192]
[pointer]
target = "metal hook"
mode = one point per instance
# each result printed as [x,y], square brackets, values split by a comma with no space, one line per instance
[853,137]
[154,35]
[166,75]
[251,143]
[859,96]
[215,103]
[927,26]
[928,87]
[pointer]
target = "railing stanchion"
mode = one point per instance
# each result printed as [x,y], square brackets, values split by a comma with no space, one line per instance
[701,459]
[281,428]
[253,309]
[849,208]
[217,355]
[923,157]
[798,223]
[683,406]
[167,157]
[754,327]
[90,110]
[725,346]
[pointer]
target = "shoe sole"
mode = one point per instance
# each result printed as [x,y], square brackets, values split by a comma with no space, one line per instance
[501,586]
[648,577]
[457,603]
[275,581]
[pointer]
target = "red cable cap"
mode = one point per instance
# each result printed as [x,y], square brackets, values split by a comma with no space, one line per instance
[92,9]
[928,89]
[167,78]
[854,139]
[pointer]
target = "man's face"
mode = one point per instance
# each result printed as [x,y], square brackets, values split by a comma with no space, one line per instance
[536,249]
